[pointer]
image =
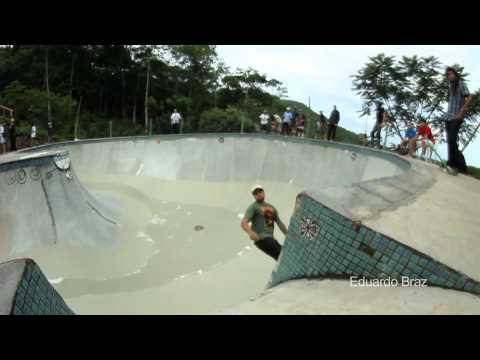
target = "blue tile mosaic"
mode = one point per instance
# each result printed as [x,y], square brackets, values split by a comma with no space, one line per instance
[35,295]
[330,244]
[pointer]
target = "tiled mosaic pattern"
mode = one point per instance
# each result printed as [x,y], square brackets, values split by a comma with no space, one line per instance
[35,295]
[343,247]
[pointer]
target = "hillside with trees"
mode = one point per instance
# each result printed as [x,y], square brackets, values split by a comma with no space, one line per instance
[89,90]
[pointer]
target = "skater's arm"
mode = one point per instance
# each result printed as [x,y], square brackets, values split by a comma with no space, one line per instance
[463,111]
[246,227]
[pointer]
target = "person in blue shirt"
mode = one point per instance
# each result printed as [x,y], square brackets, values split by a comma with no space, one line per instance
[287,122]
[410,138]
[459,102]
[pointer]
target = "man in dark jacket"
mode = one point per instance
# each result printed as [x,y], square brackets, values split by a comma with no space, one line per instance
[49,130]
[322,126]
[377,129]
[333,123]
[12,132]
[294,120]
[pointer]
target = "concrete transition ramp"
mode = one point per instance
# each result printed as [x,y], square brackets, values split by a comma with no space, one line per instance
[42,203]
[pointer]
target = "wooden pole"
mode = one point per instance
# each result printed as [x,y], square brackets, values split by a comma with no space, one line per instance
[77,119]
[49,112]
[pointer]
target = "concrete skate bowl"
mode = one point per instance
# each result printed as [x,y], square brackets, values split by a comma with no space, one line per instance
[151,225]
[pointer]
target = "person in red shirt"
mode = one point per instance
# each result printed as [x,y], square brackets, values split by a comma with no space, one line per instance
[425,136]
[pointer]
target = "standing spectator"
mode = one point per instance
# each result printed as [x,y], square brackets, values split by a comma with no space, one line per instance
[276,120]
[12,131]
[50,130]
[333,123]
[459,101]
[3,139]
[300,128]
[264,118]
[286,122]
[293,123]
[322,126]
[375,135]
[33,135]
[175,121]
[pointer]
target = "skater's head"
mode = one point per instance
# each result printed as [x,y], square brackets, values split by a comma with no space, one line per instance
[258,193]
[452,74]
[379,105]
[334,107]
[423,122]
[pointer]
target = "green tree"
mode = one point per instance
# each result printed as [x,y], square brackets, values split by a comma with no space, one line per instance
[225,120]
[197,64]
[410,89]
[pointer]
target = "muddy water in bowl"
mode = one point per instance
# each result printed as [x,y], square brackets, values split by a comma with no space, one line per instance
[181,249]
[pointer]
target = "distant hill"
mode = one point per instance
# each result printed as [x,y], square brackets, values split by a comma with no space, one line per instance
[343,135]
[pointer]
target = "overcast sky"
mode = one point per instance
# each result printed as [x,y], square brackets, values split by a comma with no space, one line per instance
[323,72]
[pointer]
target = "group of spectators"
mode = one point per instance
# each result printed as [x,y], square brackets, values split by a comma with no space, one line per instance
[459,102]
[418,138]
[9,135]
[292,123]
[414,138]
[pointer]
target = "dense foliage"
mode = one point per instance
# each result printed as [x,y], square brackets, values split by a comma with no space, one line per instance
[89,90]
[412,88]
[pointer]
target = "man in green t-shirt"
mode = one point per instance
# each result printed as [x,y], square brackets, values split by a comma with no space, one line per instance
[263,215]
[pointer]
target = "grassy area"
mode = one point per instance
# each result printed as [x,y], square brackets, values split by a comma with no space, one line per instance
[474,171]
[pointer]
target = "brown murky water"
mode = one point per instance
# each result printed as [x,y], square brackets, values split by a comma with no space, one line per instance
[181,249]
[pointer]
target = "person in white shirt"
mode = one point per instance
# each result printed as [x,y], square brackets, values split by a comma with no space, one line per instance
[3,140]
[287,122]
[175,121]
[33,135]
[264,119]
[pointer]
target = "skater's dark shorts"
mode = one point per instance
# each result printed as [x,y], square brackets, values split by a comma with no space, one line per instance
[269,246]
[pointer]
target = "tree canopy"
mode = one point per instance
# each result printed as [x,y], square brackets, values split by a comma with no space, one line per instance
[128,85]
[410,89]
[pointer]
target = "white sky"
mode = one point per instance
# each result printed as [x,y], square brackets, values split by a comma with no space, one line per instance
[323,72]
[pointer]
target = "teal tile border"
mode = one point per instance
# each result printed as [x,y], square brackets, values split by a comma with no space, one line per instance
[36,296]
[339,247]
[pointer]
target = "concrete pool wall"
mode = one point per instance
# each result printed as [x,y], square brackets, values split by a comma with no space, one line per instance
[344,182]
